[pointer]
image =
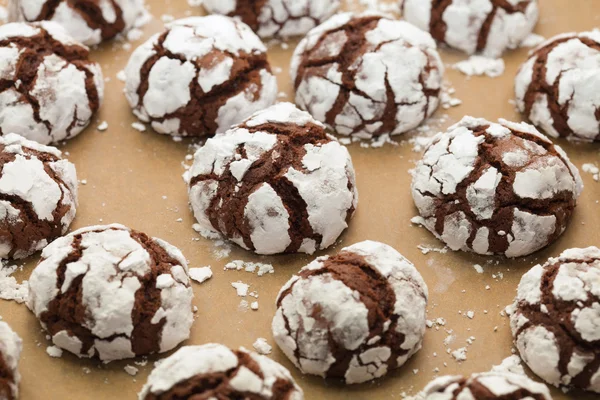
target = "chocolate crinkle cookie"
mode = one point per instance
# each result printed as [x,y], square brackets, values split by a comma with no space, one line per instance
[352,316]
[558,87]
[495,188]
[276,18]
[485,26]
[50,89]
[213,371]
[277,183]
[201,76]
[112,293]
[88,21]
[555,319]
[38,196]
[485,386]
[10,353]
[367,75]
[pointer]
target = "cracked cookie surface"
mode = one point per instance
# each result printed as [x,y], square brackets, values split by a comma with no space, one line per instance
[495,188]
[366,75]
[485,386]
[276,183]
[38,196]
[276,18]
[558,87]
[112,293]
[555,319]
[10,353]
[87,21]
[489,27]
[199,77]
[352,316]
[49,89]
[213,371]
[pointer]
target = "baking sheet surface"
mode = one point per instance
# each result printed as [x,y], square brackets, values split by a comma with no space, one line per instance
[134,178]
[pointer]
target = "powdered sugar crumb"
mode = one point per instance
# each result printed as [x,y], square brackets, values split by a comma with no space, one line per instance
[241,288]
[201,275]
[138,126]
[10,289]
[131,370]
[460,354]
[479,65]
[54,351]
[260,268]
[593,170]
[262,347]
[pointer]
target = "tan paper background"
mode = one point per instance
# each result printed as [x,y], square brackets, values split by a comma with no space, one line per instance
[129,172]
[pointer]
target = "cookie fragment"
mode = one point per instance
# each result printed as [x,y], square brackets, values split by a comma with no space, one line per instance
[558,87]
[50,89]
[112,293]
[10,353]
[276,18]
[486,386]
[38,196]
[88,21]
[495,188]
[276,183]
[200,76]
[489,27]
[352,316]
[367,75]
[555,319]
[213,371]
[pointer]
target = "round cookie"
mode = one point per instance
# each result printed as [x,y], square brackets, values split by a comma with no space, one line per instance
[483,26]
[112,293]
[88,21]
[10,353]
[200,76]
[38,196]
[555,319]
[50,88]
[352,316]
[213,371]
[277,183]
[485,386]
[495,188]
[279,18]
[558,87]
[367,75]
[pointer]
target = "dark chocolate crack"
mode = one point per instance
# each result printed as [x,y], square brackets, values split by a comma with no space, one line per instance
[66,312]
[28,229]
[33,51]
[199,116]
[314,63]
[558,320]
[226,210]
[491,151]
[217,385]
[378,296]
[539,86]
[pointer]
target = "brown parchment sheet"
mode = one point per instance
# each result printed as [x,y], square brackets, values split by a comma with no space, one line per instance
[129,172]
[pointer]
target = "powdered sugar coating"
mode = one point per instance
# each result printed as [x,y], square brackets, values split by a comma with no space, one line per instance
[279,18]
[11,346]
[487,385]
[367,75]
[39,192]
[558,87]
[275,183]
[199,77]
[53,95]
[334,321]
[555,319]
[266,379]
[135,295]
[89,22]
[495,188]
[489,27]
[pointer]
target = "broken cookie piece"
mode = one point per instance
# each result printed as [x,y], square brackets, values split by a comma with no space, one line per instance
[276,183]
[213,371]
[495,188]
[10,354]
[366,75]
[353,316]
[112,293]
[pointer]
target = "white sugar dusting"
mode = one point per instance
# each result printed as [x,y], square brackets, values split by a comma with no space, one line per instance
[479,65]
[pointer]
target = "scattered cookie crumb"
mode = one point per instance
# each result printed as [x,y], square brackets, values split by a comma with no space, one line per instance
[131,370]
[460,354]
[254,305]
[262,347]
[103,126]
[479,65]
[592,169]
[201,275]
[240,288]
[260,268]
[54,351]
[138,126]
